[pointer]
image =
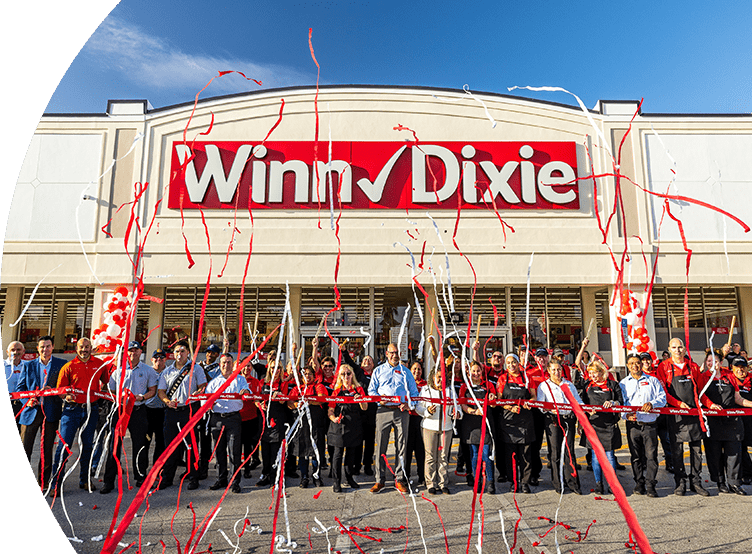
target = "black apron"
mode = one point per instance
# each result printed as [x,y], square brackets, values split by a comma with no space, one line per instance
[302,441]
[471,424]
[605,424]
[516,428]
[686,428]
[724,428]
[745,391]
[274,430]
[349,432]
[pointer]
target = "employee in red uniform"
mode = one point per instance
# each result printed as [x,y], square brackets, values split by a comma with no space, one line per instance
[683,381]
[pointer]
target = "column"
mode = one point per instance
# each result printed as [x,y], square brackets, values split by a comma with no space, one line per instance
[745,317]
[13,307]
[589,312]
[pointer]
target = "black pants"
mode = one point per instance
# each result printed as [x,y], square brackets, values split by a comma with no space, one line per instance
[539,423]
[369,442]
[173,419]
[205,440]
[724,461]
[555,438]
[155,431]
[226,433]
[519,455]
[28,438]
[249,437]
[415,446]
[269,452]
[695,460]
[663,435]
[137,426]
[643,450]
[350,460]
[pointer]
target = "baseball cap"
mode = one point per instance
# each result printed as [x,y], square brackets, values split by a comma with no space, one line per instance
[645,356]
[541,352]
[213,348]
[558,352]
[741,362]
[159,353]
[134,344]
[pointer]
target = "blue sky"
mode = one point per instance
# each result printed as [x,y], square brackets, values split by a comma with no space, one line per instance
[680,56]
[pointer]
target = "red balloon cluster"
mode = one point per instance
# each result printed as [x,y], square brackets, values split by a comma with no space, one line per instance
[109,335]
[637,334]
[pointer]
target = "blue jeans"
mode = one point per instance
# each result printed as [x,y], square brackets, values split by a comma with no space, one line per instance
[73,419]
[486,458]
[597,471]
[303,465]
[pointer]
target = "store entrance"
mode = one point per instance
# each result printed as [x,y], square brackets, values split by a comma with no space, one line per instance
[494,340]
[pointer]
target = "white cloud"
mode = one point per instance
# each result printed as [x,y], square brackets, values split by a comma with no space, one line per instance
[152,61]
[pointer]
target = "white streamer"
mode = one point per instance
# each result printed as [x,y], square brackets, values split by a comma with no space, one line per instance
[504,533]
[466,88]
[32,297]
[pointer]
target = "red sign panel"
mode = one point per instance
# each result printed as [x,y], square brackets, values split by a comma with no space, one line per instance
[371,175]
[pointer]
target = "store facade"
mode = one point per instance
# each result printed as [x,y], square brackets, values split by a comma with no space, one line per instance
[468,195]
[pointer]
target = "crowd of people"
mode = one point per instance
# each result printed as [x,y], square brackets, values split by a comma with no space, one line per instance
[283,418]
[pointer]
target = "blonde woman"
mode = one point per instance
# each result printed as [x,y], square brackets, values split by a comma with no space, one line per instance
[437,421]
[346,428]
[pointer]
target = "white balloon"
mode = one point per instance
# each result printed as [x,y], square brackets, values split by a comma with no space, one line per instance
[114,330]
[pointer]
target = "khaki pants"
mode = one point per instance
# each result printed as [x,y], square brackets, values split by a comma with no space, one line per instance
[386,419]
[437,458]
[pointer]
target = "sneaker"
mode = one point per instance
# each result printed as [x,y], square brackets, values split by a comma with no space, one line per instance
[90,486]
[737,489]
[107,489]
[445,490]
[651,492]
[525,488]
[401,486]
[317,482]
[640,489]
[534,481]
[377,487]
[352,482]
[681,488]
[192,485]
[304,483]
[236,488]
[698,488]
[599,488]
[433,490]
[264,481]
[723,487]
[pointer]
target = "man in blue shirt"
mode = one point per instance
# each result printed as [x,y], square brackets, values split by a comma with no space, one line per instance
[640,389]
[392,379]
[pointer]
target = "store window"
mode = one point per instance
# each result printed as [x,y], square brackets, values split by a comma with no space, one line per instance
[554,320]
[710,312]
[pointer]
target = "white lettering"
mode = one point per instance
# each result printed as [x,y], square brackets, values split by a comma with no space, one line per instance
[546,182]
[213,170]
[375,190]
[343,171]
[441,193]
[276,175]
[258,184]
[499,182]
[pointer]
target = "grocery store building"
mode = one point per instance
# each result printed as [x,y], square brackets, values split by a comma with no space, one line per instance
[455,190]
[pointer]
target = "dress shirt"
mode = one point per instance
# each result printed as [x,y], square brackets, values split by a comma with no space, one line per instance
[137,380]
[190,384]
[548,391]
[387,380]
[221,406]
[638,392]
[12,373]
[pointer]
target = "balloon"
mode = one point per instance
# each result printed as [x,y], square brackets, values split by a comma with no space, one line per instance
[642,348]
[114,330]
[121,290]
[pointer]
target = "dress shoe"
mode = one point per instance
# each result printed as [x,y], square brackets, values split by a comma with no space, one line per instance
[433,490]
[698,488]
[723,487]
[525,488]
[736,489]
[192,485]
[218,484]
[304,483]
[264,481]
[599,487]
[640,489]
[165,485]
[107,489]
[400,486]
[352,482]
[236,488]
[336,487]
[377,487]
[651,492]
[445,490]
[681,488]
[317,482]
[90,486]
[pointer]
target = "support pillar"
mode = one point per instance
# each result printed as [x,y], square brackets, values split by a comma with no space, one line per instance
[744,323]
[13,307]
[589,312]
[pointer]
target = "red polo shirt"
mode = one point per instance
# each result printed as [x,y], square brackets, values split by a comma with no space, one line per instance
[84,376]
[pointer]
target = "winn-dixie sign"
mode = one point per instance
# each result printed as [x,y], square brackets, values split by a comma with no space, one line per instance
[369,175]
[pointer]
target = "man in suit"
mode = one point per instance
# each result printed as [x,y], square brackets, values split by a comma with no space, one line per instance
[41,412]
[13,366]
